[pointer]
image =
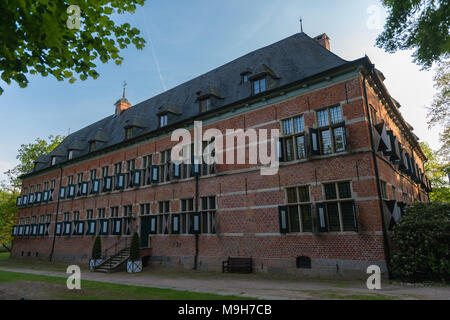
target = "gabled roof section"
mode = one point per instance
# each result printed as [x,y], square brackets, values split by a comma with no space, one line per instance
[290,60]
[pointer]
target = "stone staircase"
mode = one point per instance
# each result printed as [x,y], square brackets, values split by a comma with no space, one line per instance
[115,262]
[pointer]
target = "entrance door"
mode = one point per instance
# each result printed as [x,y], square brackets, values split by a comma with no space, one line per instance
[145,231]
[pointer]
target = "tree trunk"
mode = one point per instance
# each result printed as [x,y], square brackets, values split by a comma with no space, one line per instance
[8,249]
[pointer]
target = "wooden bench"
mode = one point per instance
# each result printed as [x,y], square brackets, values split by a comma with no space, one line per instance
[238,265]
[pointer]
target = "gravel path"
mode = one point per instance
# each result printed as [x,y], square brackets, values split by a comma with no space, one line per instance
[256,286]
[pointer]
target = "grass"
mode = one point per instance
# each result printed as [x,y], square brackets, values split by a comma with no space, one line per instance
[4,256]
[55,288]
[342,295]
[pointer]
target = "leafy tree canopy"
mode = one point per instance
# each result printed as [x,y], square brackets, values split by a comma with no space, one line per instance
[437,171]
[439,112]
[421,25]
[8,212]
[36,39]
[28,153]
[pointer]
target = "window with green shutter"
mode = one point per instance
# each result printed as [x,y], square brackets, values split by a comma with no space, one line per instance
[338,212]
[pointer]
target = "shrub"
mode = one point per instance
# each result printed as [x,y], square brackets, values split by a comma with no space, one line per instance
[421,243]
[97,249]
[135,248]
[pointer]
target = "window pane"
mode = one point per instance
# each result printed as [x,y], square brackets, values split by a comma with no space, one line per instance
[333,217]
[326,142]
[287,126]
[212,202]
[292,195]
[299,125]
[348,218]
[255,87]
[289,149]
[330,191]
[304,194]
[263,84]
[204,203]
[294,219]
[322,117]
[301,148]
[336,114]
[204,222]
[306,218]
[339,139]
[344,190]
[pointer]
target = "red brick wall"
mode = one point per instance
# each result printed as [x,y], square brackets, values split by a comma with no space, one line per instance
[247,202]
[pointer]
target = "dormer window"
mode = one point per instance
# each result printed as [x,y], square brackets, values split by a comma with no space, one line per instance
[163,121]
[91,146]
[205,105]
[244,78]
[53,161]
[128,133]
[259,86]
[70,156]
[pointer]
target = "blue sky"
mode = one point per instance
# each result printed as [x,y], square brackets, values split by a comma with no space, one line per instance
[192,37]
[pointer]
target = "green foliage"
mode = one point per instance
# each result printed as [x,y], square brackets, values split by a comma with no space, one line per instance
[35,38]
[417,24]
[439,112]
[437,172]
[28,153]
[8,213]
[135,248]
[97,249]
[421,243]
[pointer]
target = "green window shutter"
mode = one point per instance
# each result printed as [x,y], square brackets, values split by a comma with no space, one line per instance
[283,219]
[155,174]
[322,221]
[195,223]
[84,188]
[120,181]
[153,225]
[137,178]
[62,192]
[176,171]
[314,141]
[175,223]
[280,150]
[383,139]
[349,219]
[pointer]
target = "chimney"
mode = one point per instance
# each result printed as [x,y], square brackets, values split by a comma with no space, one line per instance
[122,104]
[324,41]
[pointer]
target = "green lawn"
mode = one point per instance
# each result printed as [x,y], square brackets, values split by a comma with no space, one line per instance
[45,287]
[4,255]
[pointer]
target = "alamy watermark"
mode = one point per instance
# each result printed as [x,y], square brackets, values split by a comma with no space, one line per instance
[74,19]
[230,147]
[74,280]
[374,281]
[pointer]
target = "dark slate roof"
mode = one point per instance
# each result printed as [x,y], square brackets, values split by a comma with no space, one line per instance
[292,59]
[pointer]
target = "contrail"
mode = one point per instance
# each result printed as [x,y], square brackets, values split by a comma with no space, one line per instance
[155,58]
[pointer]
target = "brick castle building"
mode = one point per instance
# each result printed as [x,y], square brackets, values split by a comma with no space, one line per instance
[349,163]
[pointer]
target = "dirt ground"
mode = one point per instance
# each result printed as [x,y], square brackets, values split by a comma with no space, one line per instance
[254,286]
[29,290]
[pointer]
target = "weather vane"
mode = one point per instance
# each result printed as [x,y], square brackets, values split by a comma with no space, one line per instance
[301,24]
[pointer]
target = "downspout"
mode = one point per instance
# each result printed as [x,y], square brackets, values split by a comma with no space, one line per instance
[386,247]
[56,216]
[196,234]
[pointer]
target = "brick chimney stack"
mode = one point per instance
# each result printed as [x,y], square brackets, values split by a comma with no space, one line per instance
[122,104]
[324,41]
